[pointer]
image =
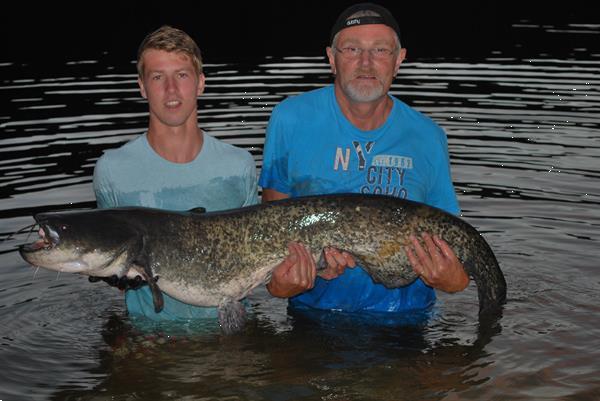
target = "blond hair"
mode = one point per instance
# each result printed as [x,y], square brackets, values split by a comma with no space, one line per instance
[170,40]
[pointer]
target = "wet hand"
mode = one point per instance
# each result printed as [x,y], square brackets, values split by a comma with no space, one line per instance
[336,262]
[295,274]
[122,283]
[436,263]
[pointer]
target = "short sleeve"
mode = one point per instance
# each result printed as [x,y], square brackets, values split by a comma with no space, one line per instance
[274,173]
[441,190]
[250,183]
[103,188]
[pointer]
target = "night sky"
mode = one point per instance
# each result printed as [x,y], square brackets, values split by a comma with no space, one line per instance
[238,31]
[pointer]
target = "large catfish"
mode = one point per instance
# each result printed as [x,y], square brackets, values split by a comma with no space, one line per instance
[217,258]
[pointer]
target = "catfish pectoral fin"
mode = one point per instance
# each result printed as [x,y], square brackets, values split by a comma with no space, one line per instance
[157,296]
[232,316]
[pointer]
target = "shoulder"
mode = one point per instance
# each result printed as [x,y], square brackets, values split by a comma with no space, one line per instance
[307,102]
[124,153]
[110,167]
[414,116]
[418,121]
[221,150]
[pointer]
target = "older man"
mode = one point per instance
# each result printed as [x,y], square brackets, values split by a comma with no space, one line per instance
[353,136]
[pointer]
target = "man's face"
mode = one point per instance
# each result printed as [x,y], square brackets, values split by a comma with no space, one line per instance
[365,78]
[171,86]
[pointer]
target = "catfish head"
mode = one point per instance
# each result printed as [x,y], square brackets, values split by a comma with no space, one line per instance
[95,243]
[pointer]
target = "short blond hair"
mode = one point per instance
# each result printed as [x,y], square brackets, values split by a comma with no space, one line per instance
[170,40]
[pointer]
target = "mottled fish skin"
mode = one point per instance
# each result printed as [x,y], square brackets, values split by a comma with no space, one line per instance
[214,259]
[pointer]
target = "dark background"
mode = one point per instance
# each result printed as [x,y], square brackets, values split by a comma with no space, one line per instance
[239,30]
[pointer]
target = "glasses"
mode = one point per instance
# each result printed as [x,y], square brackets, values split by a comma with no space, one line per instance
[378,53]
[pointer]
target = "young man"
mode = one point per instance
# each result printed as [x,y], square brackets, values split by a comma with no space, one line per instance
[354,137]
[175,165]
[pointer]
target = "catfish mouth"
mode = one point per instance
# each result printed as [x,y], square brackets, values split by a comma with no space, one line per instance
[47,241]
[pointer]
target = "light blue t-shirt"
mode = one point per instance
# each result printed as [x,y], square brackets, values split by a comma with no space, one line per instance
[220,177]
[312,148]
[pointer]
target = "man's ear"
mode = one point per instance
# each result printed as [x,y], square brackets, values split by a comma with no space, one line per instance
[142,89]
[201,84]
[331,58]
[400,59]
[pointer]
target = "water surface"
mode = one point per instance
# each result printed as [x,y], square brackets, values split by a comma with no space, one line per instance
[525,150]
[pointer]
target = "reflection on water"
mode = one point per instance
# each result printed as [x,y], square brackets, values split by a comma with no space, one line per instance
[525,150]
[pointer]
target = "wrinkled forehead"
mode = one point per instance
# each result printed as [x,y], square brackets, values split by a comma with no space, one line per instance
[368,34]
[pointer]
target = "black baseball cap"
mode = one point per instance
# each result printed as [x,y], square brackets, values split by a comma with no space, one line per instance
[344,20]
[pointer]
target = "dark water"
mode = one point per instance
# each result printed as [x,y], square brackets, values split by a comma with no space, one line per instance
[523,127]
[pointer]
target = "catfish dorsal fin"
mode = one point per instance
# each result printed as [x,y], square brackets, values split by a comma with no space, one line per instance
[197,210]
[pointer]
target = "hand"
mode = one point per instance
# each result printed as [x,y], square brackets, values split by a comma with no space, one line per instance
[436,264]
[122,283]
[295,274]
[336,263]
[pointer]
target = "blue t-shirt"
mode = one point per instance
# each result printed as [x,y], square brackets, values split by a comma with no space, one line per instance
[220,177]
[312,148]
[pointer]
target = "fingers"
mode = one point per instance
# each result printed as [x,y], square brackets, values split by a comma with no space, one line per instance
[336,262]
[419,258]
[458,279]
[295,274]
[444,247]
[335,257]
[436,263]
[350,261]
[298,271]
[291,259]
[122,283]
[307,267]
[426,258]
[136,282]
[432,248]
[414,259]
[333,269]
